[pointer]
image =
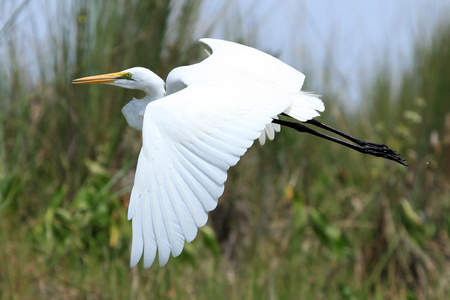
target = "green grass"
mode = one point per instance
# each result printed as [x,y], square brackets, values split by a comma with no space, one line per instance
[299,217]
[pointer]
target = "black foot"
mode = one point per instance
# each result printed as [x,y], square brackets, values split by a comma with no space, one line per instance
[381,150]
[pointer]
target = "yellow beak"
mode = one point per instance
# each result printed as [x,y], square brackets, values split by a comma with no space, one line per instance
[105,78]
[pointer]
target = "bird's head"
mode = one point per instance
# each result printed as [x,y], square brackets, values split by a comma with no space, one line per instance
[136,78]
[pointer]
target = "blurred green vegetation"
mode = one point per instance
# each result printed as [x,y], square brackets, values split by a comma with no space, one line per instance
[300,218]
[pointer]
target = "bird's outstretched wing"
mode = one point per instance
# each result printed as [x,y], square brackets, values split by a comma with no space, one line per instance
[194,135]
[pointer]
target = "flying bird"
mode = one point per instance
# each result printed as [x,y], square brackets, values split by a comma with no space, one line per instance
[198,125]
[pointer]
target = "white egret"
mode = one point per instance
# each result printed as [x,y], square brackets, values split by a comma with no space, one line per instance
[207,117]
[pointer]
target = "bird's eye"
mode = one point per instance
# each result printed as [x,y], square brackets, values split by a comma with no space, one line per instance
[127,76]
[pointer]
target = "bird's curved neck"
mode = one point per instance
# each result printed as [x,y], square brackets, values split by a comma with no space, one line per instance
[154,93]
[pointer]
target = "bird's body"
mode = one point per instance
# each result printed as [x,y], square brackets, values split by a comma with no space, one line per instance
[194,130]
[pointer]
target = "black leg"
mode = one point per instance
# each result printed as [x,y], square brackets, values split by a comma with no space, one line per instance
[366,147]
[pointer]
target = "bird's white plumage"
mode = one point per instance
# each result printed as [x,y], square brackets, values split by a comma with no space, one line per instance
[211,115]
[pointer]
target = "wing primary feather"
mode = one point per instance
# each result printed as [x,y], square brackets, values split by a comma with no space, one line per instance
[150,244]
[187,223]
[219,145]
[134,199]
[228,137]
[171,222]
[219,159]
[137,244]
[199,187]
[212,178]
[205,161]
[158,228]
[198,213]
[204,188]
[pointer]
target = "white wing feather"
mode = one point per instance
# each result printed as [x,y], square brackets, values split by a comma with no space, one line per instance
[193,136]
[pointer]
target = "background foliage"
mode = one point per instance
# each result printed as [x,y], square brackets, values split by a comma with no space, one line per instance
[299,217]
